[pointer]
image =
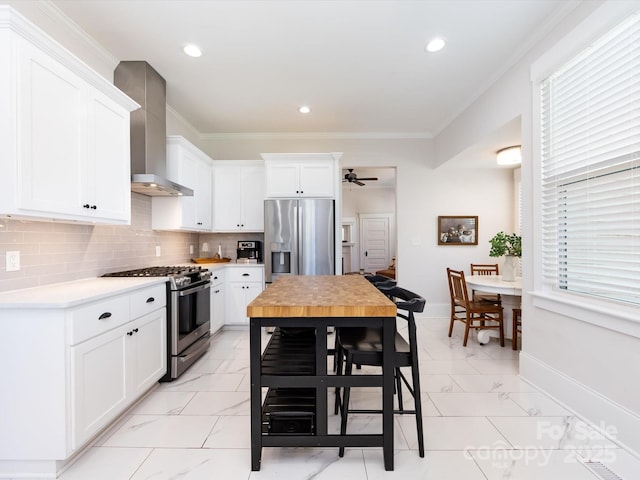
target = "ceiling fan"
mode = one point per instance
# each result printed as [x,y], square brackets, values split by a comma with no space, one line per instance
[353,178]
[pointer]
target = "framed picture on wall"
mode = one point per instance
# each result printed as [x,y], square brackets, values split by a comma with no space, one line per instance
[458,230]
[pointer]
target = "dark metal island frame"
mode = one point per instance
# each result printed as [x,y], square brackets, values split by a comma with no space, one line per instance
[291,368]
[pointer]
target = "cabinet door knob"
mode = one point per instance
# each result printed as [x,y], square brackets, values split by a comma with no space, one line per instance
[86,205]
[135,330]
[129,333]
[93,207]
[104,316]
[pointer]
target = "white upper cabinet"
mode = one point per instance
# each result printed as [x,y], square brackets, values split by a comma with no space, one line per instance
[238,196]
[189,166]
[301,174]
[64,133]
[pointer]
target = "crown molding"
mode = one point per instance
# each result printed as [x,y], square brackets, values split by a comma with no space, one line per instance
[60,18]
[318,135]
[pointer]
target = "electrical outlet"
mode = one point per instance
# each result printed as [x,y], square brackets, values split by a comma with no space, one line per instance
[205,247]
[13,261]
[191,249]
[158,251]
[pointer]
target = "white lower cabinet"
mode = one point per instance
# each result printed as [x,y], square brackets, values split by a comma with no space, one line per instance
[99,383]
[243,285]
[217,300]
[146,352]
[112,370]
[82,367]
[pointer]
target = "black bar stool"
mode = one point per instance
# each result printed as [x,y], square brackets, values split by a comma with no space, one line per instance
[364,347]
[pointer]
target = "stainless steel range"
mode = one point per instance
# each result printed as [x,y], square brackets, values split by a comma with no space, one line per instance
[188,313]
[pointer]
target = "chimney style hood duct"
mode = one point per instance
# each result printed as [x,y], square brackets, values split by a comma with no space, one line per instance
[143,84]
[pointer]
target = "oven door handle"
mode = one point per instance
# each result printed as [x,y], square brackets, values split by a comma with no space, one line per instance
[199,288]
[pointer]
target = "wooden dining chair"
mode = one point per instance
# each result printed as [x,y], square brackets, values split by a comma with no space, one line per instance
[517,327]
[485,269]
[474,315]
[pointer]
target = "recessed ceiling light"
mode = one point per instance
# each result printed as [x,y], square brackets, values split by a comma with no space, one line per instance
[192,50]
[435,45]
[304,109]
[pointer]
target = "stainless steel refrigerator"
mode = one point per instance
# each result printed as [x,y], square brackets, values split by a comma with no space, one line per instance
[299,237]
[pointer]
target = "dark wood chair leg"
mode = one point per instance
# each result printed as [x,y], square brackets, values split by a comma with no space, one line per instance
[466,333]
[515,322]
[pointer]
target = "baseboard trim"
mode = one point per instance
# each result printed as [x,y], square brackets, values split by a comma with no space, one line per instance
[591,406]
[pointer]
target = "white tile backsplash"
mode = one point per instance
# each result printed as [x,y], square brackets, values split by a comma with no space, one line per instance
[52,252]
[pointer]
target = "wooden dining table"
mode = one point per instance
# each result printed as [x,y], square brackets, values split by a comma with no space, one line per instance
[510,291]
[316,303]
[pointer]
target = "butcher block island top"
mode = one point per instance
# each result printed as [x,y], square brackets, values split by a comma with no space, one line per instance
[321,296]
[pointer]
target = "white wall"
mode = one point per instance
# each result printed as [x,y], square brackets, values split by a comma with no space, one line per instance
[356,199]
[591,369]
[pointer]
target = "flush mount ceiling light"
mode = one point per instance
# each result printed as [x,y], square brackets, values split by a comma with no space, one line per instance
[192,50]
[509,155]
[435,45]
[304,109]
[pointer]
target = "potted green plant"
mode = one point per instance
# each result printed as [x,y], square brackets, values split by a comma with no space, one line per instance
[509,247]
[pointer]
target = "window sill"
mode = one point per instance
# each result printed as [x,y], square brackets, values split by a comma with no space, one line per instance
[612,316]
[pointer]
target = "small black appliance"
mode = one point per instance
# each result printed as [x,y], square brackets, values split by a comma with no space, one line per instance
[249,251]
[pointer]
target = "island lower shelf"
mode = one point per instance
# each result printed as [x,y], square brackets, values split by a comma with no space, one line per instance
[289,410]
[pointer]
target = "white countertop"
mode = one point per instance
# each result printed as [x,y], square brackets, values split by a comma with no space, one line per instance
[69,294]
[219,265]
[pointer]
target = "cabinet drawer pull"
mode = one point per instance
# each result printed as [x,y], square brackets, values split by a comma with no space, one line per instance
[246,274]
[104,315]
[150,300]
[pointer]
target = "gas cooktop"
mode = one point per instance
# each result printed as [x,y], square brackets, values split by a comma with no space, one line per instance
[180,276]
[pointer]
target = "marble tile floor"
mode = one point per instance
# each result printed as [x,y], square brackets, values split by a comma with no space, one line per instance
[481,421]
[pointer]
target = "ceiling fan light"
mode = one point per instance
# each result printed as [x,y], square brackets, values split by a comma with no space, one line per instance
[509,155]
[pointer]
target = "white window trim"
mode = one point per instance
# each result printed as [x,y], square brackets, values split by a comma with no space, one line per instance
[607,314]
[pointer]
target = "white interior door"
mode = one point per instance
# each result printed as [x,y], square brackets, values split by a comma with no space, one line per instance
[374,242]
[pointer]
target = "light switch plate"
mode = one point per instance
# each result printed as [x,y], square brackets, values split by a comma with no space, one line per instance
[13,261]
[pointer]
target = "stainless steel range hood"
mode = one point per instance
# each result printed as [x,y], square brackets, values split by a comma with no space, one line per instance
[142,83]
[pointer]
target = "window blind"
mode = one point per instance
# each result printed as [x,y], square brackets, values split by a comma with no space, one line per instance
[590,154]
